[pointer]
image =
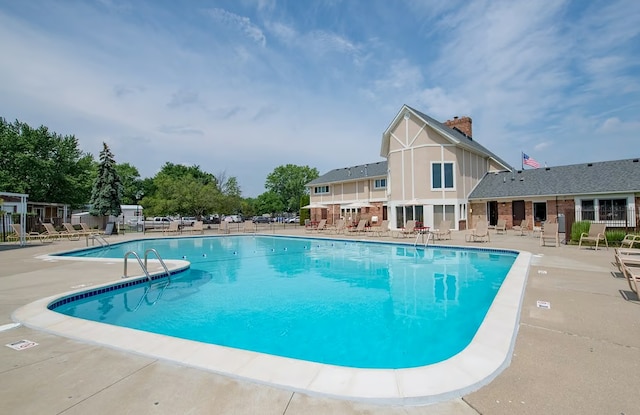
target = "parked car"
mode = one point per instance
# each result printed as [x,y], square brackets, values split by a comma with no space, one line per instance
[187,221]
[295,219]
[234,219]
[261,219]
[211,219]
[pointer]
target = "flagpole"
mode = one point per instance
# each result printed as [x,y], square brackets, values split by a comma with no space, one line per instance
[521,160]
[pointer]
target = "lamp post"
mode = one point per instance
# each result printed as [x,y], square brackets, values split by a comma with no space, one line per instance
[139,195]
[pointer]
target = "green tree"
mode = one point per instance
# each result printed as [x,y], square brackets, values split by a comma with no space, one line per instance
[131,183]
[45,165]
[288,182]
[269,202]
[107,189]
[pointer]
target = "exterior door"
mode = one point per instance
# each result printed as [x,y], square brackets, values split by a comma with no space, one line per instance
[492,208]
[517,211]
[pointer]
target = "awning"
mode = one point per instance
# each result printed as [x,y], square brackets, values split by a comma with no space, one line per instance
[314,206]
[357,205]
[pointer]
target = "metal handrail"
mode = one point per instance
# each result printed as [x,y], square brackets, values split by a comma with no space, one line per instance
[96,237]
[146,255]
[144,267]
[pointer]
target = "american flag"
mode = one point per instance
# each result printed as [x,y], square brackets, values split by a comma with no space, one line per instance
[528,161]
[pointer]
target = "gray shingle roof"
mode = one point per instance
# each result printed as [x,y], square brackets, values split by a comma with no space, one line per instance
[344,174]
[619,176]
[462,138]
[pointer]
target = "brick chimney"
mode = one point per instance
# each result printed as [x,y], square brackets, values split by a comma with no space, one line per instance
[461,123]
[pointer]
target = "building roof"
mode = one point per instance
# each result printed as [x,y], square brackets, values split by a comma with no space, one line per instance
[452,134]
[605,177]
[346,174]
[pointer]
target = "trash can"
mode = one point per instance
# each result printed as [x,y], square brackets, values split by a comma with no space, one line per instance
[561,223]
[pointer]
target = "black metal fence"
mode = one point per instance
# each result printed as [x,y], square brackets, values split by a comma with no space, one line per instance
[613,216]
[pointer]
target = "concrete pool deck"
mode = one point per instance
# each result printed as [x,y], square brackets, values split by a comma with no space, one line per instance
[582,355]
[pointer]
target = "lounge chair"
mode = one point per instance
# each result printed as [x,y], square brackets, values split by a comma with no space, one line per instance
[550,233]
[409,229]
[322,226]
[70,230]
[196,228]
[174,227]
[380,230]
[523,228]
[87,230]
[629,240]
[629,265]
[362,224]
[29,236]
[480,233]
[597,233]
[443,231]
[338,227]
[501,226]
[54,234]
[249,227]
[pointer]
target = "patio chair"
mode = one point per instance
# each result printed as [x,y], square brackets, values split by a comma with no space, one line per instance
[322,226]
[70,230]
[380,230]
[196,228]
[550,233]
[443,230]
[523,228]
[597,233]
[29,236]
[409,229]
[629,240]
[630,268]
[480,233]
[87,230]
[362,224]
[249,227]
[174,227]
[53,233]
[338,227]
[501,226]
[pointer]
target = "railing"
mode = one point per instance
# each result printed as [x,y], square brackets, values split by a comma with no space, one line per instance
[146,255]
[144,267]
[613,216]
[97,237]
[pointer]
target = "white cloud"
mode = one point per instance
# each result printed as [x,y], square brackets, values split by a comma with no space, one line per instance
[241,23]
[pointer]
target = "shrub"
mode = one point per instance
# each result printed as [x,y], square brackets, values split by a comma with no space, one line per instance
[578,228]
[615,236]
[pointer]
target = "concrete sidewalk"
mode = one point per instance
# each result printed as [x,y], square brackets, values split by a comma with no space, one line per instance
[580,356]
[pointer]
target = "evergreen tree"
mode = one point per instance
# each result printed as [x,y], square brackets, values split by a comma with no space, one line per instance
[107,189]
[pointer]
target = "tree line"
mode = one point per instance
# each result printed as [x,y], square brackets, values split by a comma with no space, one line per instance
[51,168]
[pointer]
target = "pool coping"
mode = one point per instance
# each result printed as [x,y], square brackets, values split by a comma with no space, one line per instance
[486,356]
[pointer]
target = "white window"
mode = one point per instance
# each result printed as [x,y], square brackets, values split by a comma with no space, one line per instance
[320,190]
[442,176]
[380,184]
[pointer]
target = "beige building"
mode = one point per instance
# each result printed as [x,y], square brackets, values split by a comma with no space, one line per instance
[429,169]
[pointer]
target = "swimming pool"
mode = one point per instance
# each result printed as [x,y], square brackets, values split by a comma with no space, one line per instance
[377,283]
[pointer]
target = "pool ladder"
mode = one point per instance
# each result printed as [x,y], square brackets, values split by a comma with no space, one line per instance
[422,234]
[144,265]
[97,237]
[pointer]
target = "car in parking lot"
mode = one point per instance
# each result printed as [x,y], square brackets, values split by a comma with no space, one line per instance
[261,219]
[233,219]
[294,219]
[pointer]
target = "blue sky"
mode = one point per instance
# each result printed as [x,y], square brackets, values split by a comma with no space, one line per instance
[240,87]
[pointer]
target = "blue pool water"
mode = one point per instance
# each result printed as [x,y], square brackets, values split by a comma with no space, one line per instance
[356,304]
